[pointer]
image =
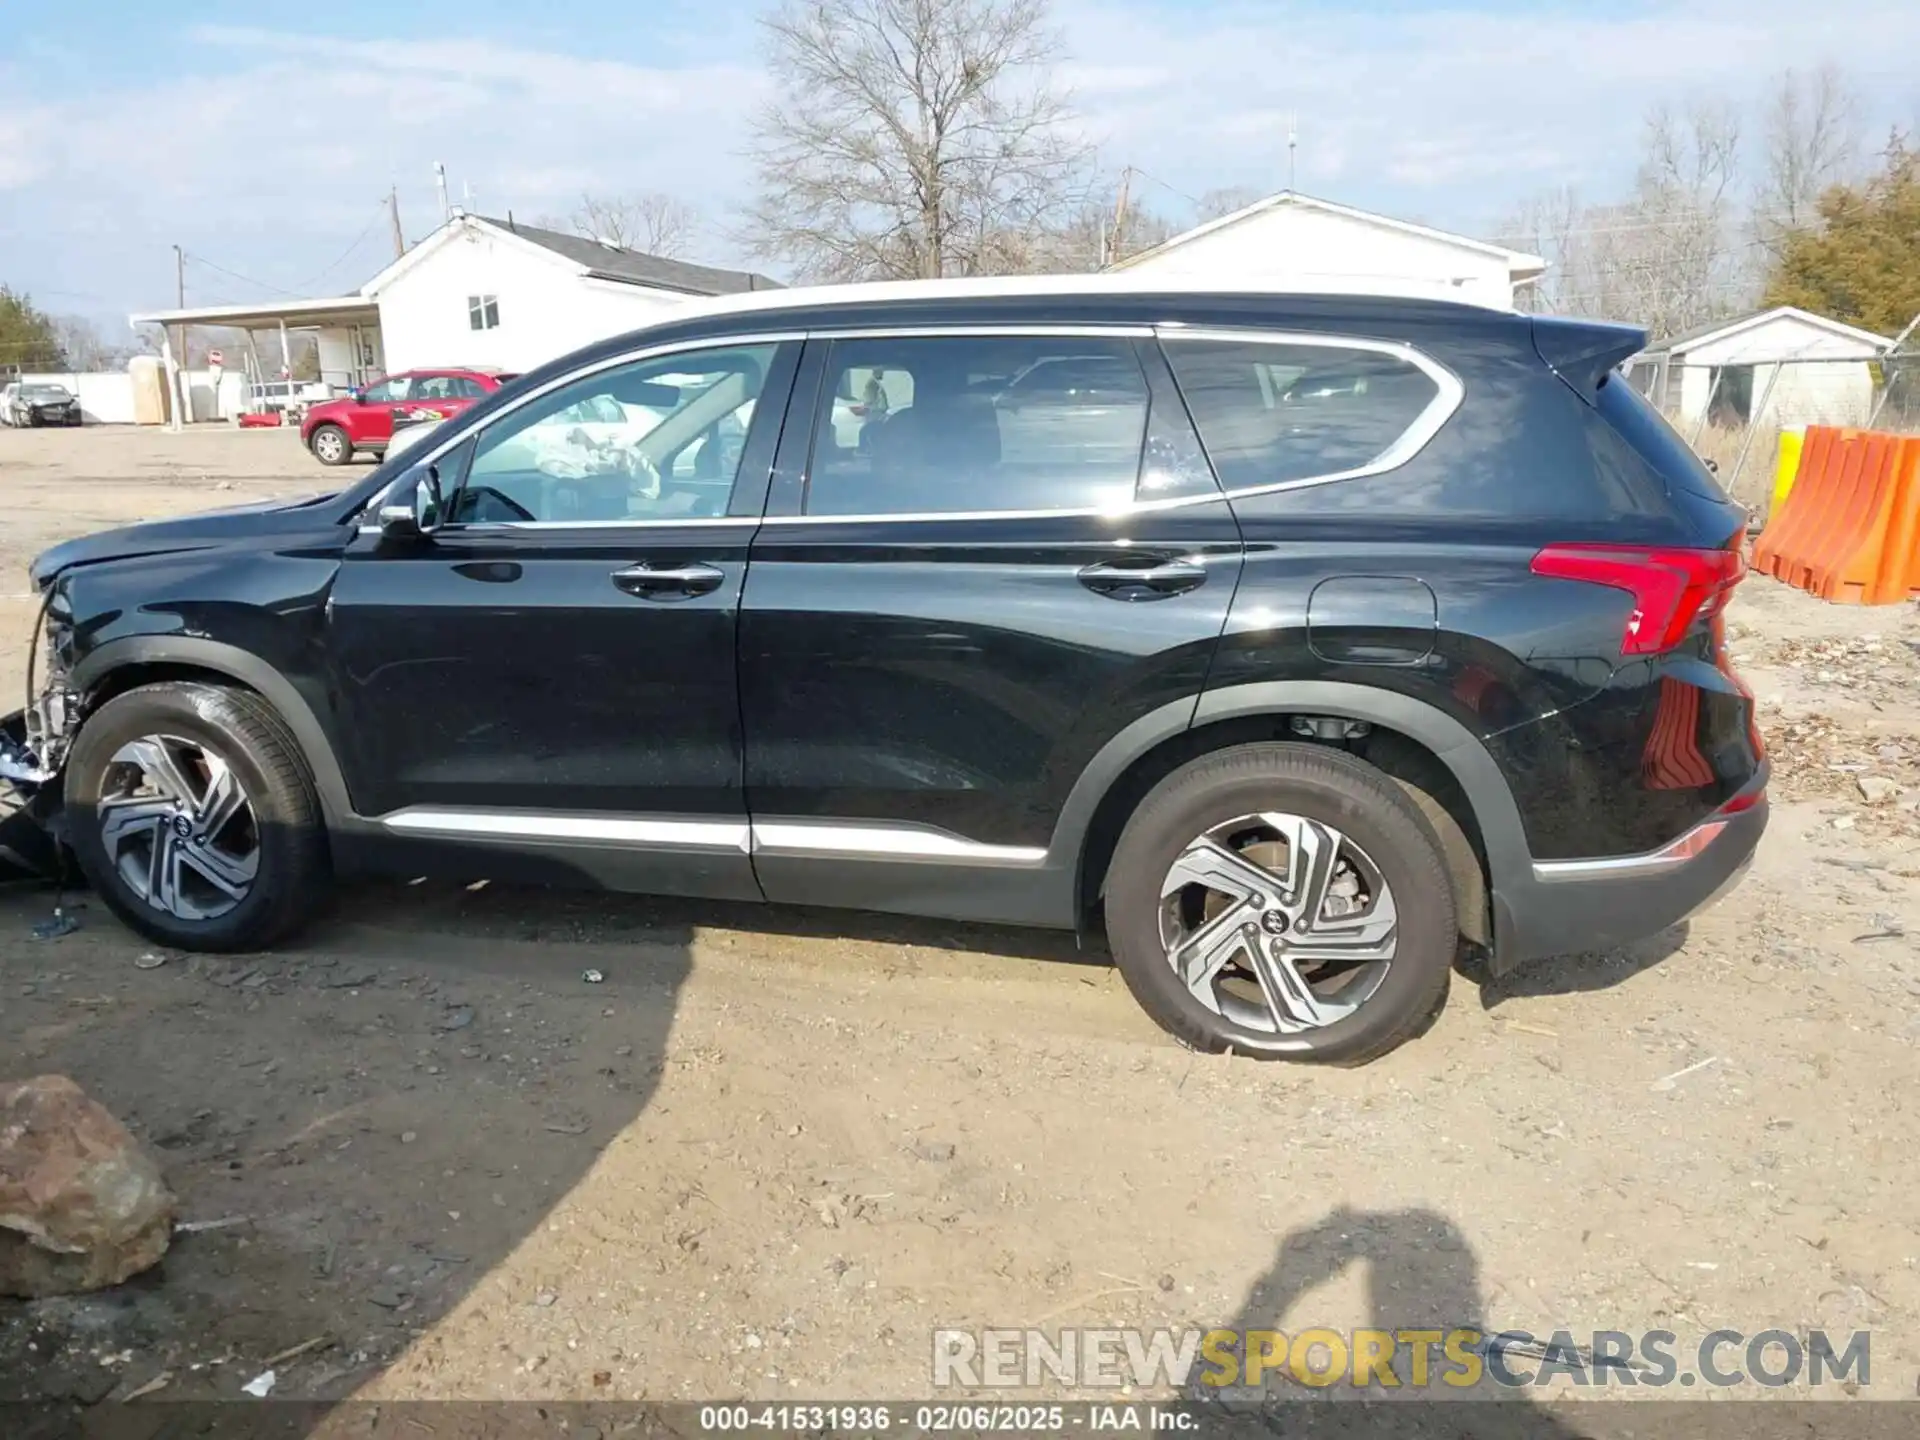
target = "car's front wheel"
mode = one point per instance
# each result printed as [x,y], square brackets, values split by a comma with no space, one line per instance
[1283,901]
[330,445]
[194,817]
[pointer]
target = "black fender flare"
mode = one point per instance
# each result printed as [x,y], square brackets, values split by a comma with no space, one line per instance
[1509,863]
[249,670]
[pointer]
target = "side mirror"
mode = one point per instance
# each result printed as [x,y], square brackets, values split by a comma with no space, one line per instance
[413,516]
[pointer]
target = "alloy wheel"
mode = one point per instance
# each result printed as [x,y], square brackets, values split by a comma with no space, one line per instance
[178,827]
[1278,923]
[329,445]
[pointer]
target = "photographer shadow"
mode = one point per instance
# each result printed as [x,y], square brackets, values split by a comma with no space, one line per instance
[1422,1275]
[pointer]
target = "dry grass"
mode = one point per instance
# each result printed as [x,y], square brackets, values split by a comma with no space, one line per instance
[1721,444]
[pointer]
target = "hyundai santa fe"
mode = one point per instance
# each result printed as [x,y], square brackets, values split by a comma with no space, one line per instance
[1300,645]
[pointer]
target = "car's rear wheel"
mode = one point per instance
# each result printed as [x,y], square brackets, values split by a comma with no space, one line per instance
[1282,901]
[194,817]
[330,445]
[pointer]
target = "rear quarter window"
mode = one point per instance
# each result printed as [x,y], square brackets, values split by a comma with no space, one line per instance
[1270,413]
[1636,420]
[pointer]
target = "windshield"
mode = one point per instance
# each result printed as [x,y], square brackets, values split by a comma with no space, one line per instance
[45,392]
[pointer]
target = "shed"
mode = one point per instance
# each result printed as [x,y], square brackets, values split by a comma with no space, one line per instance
[1295,241]
[1783,366]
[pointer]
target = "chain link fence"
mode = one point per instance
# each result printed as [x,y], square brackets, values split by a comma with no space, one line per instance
[1733,415]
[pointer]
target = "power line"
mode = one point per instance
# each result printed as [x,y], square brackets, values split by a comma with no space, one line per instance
[243,279]
[359,240]
[1174,189]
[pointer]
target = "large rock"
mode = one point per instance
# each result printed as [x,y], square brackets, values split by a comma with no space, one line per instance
[82,1204]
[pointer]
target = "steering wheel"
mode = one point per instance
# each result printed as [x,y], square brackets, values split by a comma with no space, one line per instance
[476,503]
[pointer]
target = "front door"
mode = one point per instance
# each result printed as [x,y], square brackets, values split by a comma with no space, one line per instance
[370,421]
[977,585]
[552,672]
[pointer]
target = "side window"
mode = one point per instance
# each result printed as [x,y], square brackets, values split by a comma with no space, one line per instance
[465,387]
[390,391]
[434,387]
[1270,413]
[962,423]
[620,444]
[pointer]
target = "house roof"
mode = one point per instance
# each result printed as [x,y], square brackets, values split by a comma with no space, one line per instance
[1520,266]
[636,267]
[591,258]
[1723,329]
[294,313]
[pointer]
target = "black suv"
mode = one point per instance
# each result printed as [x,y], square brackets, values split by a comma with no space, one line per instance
[1299,643]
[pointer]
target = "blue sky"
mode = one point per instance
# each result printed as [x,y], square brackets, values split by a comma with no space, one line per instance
[263,139]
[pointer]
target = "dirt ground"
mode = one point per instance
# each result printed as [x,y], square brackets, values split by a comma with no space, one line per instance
[770,1150]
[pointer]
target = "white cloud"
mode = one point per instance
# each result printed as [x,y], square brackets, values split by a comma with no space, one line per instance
[1453,112]
[275,157]
[271,151]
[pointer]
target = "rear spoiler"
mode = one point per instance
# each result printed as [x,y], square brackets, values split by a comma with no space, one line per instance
[1584,352]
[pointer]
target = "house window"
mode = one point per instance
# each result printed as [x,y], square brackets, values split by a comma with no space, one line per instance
[483,312]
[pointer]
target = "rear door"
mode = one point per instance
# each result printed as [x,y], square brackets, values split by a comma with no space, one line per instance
[960,595]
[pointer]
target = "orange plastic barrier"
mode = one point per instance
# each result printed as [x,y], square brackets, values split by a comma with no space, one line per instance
[1849,529]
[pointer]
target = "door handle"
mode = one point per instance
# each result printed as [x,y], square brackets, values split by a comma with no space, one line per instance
[669,582]
[1152,581]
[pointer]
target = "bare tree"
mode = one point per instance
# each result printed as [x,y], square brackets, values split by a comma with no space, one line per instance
[646,220]
[85,348]
[1668,256]
[913,139]
[1553,225]
[1217,204]
[1811,134]
[1098,233]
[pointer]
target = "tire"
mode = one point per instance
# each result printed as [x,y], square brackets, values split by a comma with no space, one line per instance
[291,871]
[330,445]
[1327,788]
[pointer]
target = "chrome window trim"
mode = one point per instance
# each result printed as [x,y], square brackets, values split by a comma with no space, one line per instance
[1040,329]
[1449,395]
[487,527]
[625,357]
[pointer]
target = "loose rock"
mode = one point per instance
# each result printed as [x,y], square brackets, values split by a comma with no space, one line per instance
[82,1203]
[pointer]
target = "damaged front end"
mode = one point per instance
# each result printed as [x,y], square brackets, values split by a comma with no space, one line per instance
[33,753]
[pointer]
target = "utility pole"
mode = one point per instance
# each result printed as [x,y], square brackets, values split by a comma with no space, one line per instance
[440,184]
[1111,244]
[179,389]
[1293,146]
[393,213]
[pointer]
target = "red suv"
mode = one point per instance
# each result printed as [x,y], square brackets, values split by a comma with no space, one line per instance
[364,420]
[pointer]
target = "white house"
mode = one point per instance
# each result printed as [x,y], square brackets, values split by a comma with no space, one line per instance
[476,292]
[1783,366]
[1291,240]
[496,293]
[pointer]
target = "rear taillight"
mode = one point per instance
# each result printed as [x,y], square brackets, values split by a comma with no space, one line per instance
[1671,588]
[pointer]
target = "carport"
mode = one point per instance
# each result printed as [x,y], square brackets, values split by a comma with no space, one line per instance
[346,328]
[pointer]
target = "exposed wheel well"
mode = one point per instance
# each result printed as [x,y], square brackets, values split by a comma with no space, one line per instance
[122,678]
[1425,777]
